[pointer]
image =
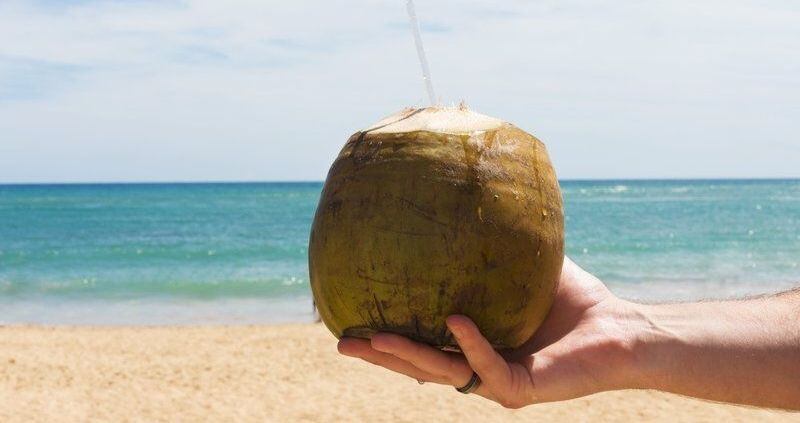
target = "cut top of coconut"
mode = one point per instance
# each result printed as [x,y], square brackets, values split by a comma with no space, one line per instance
[447,120]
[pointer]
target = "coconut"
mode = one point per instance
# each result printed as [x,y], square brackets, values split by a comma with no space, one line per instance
[432,212]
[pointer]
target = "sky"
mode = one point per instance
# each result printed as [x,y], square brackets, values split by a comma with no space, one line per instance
[108,91]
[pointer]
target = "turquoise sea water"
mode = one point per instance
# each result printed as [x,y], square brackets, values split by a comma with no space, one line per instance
[237,253]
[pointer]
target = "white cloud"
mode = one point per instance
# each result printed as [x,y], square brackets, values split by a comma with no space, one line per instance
[270,90]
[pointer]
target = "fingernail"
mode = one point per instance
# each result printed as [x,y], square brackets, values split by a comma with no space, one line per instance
[377,342]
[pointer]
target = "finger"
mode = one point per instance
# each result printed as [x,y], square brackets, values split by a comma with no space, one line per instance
[360,348]
[451,368]
[424,357]
[487,363]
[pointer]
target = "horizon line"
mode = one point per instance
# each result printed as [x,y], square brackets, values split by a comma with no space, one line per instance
[320,181]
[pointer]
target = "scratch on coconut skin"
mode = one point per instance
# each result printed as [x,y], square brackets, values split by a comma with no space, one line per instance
[362,274]
[420,211]
[380,308]
[397,231]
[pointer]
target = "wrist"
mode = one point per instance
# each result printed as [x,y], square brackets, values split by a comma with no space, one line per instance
[642,341]
[653,339]
[622,333]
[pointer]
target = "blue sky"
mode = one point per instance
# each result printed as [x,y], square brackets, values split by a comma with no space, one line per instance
[249,90]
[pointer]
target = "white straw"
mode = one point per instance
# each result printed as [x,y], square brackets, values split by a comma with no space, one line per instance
[423,61]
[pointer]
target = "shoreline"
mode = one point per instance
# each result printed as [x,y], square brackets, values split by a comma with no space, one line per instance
[278,372]
[156,312]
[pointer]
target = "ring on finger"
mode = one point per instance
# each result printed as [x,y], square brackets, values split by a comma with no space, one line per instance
[472,385]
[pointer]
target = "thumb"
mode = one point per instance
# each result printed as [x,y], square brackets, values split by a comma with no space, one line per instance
[484,360]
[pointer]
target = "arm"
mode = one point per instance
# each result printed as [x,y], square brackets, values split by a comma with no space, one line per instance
[746,352]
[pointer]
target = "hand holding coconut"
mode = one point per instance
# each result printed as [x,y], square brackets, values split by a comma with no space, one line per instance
[573,356]
[744,352]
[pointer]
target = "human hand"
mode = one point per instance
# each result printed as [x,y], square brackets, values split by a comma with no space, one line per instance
[582,347]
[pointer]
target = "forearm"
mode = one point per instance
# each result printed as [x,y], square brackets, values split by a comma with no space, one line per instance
[745,352]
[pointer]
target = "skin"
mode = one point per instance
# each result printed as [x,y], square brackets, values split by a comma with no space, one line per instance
[743,351]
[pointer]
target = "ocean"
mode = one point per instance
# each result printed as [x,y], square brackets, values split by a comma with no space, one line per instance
[228,253]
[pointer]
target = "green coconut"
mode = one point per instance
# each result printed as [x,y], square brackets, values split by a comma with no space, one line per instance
[432,212]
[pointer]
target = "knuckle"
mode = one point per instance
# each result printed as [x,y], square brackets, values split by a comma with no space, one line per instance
[417,349]
[455,368]
[457,380]
[510,403]
[371,360]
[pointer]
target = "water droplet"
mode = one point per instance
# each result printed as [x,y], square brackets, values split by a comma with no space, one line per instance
[496,197]
[758,206]
[585,250]
[751,232]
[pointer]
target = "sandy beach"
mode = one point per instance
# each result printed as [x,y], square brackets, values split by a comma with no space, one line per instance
[265,373]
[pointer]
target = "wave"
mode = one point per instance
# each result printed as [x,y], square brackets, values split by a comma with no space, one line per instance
[177,288]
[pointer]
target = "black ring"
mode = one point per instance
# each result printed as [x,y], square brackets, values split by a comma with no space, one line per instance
[472,385]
